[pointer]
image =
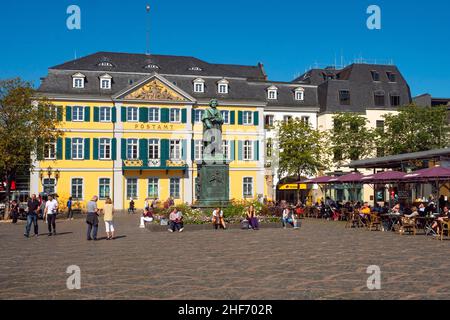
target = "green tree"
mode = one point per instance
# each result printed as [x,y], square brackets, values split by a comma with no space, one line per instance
[25,119]
[303,150]
[415,129]
[350,137]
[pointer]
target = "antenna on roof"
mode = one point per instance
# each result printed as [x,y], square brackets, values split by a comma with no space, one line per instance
[75,54]
[147,8]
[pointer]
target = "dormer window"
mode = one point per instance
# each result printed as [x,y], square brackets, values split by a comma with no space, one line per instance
[105,82]
[78,80]
[299,94]
[272,93]
[105,62]
[195,69]
[391,76]
[222,86]
[151,66]
[199,85]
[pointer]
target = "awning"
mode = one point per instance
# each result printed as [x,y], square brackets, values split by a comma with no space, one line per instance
[319,180]
[426,175]
[383,177]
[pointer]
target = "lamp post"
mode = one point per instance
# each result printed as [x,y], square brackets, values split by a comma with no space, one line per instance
[49,172]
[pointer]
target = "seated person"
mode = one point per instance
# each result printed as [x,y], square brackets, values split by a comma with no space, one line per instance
[218,220]
[408,219]
[287,217]
[299,211]
[252,219]
[444,217]
[365,209]
[147,216]
[414,213]
[396,210]
[422,210]
[175,221]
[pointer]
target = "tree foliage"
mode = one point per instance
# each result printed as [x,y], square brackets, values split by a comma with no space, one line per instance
[415,129]
[24,120]
[302,149]
[351,137]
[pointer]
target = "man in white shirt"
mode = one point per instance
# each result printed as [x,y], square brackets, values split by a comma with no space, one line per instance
[51,209]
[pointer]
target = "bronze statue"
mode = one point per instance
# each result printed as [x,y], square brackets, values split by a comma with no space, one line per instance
[212,118]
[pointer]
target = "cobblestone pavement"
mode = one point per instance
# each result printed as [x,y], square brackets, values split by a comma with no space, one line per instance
[321,261]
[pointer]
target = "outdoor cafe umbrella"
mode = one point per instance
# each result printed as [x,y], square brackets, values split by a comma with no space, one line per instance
[383,177]
[318,180]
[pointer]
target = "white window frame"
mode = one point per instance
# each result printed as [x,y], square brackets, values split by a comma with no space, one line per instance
[175,152]
[49,149]
[226,150]
[78,82]
[201,86]
[82,188]
[80,146]
[151,142]
[132,142]
[226,120]
[272,122]
[105,114]
[157,188]
[176,113]
[272,93]
[247,150]
[198,112]
[155,112]
[105,84]
[75,114]
[100,184]
[104,143]
[244,183]
[222,87]
[137,188]
[179,188]
[198,149]
[132,114]
[300,94]
[247,121]
[306,119]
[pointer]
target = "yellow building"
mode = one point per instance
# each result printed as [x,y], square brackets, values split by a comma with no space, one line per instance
[132,127]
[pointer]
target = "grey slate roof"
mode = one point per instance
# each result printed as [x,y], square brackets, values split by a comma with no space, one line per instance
[356,78]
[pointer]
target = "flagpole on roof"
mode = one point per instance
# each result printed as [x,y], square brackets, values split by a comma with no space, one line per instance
[147,8]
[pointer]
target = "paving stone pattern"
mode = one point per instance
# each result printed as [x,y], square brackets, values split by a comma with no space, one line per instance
[323,260]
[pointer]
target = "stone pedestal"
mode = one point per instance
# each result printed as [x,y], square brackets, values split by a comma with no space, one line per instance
[212,185]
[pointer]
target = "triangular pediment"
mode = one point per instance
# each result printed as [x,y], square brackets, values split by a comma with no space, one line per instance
[154,88]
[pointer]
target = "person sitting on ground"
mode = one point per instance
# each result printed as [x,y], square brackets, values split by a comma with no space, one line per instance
[218,220]
[287,217]
[252,219]
[147,216]
[175,221]
[444,217]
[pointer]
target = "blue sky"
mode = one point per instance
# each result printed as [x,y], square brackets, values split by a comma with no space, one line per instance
[288,36]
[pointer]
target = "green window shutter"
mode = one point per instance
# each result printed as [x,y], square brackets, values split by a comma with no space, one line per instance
[59,149]
[240,118]
[96,114]
[256,118]
[114,114]
[87,114]
[114,149]
[232,117]
[59,113]
[68,143]
[95,155]
[256,151]
[165,115]
[164,151]
[87,147]
[184,149]
[240,150]
[192,116]
[183,116]
[123,114]
[232,149]
[40,149]
[68,113]
[143,114]
[123,149]
[143,151]
[192,149]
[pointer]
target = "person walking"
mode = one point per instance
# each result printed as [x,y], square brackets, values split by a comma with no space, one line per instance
[131,206]
[69,209]
[92,219]
[108,217]
[32,216]
[50,211]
